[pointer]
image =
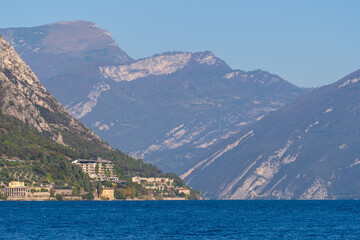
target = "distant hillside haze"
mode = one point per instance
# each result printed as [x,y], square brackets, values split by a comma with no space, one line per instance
[168,109]
[308,149]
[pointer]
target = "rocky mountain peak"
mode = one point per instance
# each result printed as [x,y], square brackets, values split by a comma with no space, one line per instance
[160,64]
[208,58]
[72,37]
[350,80]
[76,36]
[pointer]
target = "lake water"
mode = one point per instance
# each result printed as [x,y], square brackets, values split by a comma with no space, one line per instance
[181,220]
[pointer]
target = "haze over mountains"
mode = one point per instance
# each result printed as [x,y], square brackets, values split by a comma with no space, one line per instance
[306,150]
[168,109]
[230,133]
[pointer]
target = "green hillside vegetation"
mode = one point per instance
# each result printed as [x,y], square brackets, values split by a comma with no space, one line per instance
[44,161]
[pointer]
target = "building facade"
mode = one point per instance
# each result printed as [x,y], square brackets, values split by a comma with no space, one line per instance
[98,170]
[184,190]
[108,193]
[16,190]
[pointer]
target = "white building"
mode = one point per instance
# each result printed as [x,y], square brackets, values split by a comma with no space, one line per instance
[104,167]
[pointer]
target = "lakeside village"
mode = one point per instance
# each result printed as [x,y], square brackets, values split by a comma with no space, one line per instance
[109,186]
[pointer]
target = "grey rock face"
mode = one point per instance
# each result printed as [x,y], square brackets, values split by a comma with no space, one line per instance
[23,97]
[308,149]
[170,108]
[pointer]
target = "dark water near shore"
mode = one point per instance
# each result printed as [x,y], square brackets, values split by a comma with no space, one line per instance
[181,220]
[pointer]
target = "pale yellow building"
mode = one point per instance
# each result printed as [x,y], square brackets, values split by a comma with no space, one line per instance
[14,184]
[185,191]
[107,193]
[16,190]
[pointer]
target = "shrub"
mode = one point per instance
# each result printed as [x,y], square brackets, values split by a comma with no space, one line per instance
[58,197]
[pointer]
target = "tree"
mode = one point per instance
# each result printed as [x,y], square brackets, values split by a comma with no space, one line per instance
[118,194]
[58,197]
[88,196]
[99,188]
[97,168]
[52,192]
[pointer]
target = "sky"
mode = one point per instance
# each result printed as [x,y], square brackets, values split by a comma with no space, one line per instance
[309,43]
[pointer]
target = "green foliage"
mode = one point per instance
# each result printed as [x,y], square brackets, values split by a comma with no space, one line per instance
[4,174]
[107,173]
[119,194]
[97,168]
[107,184]
[52,193]
[129,192]
[76,191]
[2,196]
[45,160]
[89,196]
[182,195]
[178,182]
[99,188]
[58,197]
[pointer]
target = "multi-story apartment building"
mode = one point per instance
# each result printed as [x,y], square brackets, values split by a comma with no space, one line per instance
[99,169]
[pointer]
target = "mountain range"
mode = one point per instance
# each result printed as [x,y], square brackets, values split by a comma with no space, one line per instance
[232,134]
[168,109]
[308,149]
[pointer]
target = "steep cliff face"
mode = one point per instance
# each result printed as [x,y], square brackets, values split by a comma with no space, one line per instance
[306,150]
[23,97]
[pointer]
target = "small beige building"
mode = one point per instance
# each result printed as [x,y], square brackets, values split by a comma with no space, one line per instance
[16,190]
[107,193]
[184,190]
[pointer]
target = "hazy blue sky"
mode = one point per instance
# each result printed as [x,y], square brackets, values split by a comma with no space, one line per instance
[309,43]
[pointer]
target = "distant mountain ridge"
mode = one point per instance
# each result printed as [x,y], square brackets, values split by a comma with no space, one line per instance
[66,52]
[168,109]
[308,149]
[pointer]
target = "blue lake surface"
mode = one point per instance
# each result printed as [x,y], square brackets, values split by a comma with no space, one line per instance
[181,220]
